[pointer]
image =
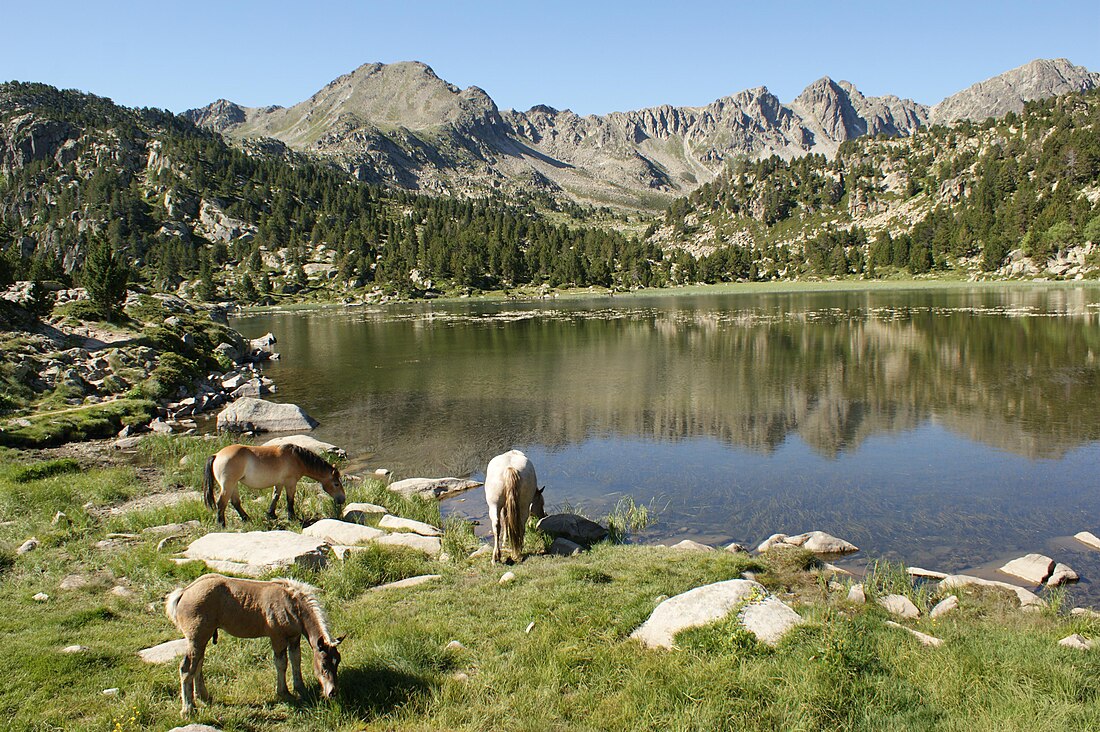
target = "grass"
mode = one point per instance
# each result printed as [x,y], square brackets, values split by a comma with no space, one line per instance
[574,668]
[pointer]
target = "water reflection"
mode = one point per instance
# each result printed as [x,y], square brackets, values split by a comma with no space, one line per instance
[931,417]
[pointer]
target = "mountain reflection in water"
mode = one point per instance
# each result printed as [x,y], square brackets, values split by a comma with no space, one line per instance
[950,424]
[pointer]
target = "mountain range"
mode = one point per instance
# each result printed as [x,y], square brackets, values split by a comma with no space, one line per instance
[402,126]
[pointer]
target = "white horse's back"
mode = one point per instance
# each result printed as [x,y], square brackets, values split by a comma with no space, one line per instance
[497,470]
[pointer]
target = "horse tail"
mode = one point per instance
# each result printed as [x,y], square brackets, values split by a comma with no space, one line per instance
[208,483]
[509,512]
[171,605]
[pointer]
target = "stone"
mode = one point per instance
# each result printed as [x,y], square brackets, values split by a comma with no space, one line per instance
[480,551]
[256,552]
[819,542]
[430,545]
[335,531]
[195,728]
[506,578]
[925,573]
[769,620]
[1084,612]
[113,691]
[455,646]
[944,606]
[857,595]
[924,638]
[694,546]
[160,427]
[128,443]
[562,547]
[1088,538]
[258,415]
[736,548]
[75,649]
[164,652]
[124,592]
[309,443]
[432,487]
[575,528]
[1034,568]
[834,570]
[460,676]
[41,597]
[343,552]
[705,605]
[408,582]
[1061,574]
[899,605]
[394,523]
[165,529]
[73,582]
[361,512]
[1077,641]
[1027,598]
[27,546]
[771,542]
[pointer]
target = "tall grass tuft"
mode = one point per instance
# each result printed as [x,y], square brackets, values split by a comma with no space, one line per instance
[627,519]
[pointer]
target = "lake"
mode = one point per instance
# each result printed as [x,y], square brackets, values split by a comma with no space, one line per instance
[951,427]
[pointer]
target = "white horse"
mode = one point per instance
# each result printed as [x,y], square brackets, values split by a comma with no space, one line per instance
[512,492]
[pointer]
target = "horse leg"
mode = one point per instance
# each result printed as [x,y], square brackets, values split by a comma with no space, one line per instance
[494,518]
[296,666]
[235,499]
[274,500]
[223,499]
[200,685]
[291,489]
[189,667]
[278,648]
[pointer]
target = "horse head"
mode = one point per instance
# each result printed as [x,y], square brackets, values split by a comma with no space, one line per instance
[334,486]
[326,660]
[538,505]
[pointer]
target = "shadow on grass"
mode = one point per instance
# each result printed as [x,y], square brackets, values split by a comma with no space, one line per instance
[368,691]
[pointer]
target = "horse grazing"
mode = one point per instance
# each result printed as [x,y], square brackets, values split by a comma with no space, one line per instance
[281,466]
[512,492]
[283,610]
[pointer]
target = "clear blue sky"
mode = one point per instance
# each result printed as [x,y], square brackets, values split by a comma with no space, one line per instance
[592,57]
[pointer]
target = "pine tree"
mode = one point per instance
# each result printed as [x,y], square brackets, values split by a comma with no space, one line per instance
[105,277]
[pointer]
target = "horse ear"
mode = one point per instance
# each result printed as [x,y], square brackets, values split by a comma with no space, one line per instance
[340,639]
[540,490]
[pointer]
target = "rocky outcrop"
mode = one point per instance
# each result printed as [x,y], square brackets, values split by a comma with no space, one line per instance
[1007,92]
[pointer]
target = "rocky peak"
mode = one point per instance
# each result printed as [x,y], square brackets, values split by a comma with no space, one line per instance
[218,116]
[827,106]
[1007,92]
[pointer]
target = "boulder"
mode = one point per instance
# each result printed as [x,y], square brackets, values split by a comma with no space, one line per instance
[310,443]
[857,595]
[1077,641]
[335,531]
[395,523]
[1084,612]
[562,547]
[408,582]
[924,638]
[164,652]
[254,553]
[769,620]
[692,546]
[1061,574]
[736,548]
[258,415]
[1088,538]
[817,542]
[771,542]
[1034,568]
[1027,598]
[899,605]
[27,546]
[506,578]
[360,513]
[944,606]
[432,487]
[708,604]
[575,528]
[430,545]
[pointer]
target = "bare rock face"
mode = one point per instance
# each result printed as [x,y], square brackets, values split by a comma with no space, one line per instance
[1007,92]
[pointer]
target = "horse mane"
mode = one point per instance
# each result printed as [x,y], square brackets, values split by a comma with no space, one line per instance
[509,512]
[310,459]
[308,602]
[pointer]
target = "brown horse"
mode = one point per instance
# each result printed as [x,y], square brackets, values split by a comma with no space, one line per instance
[281,466]
[283,610]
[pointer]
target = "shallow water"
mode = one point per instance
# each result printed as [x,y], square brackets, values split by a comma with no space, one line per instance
[948,427]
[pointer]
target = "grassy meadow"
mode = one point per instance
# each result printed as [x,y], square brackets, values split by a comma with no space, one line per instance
[575,668]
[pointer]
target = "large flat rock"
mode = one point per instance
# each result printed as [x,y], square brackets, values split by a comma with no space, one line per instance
[346,533]
[259,415]
[164,652]
[1033,568]
[310,443]
[432,487]
[1027,598]
[430,545]
[256,552]
[396,523]
[710,603]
